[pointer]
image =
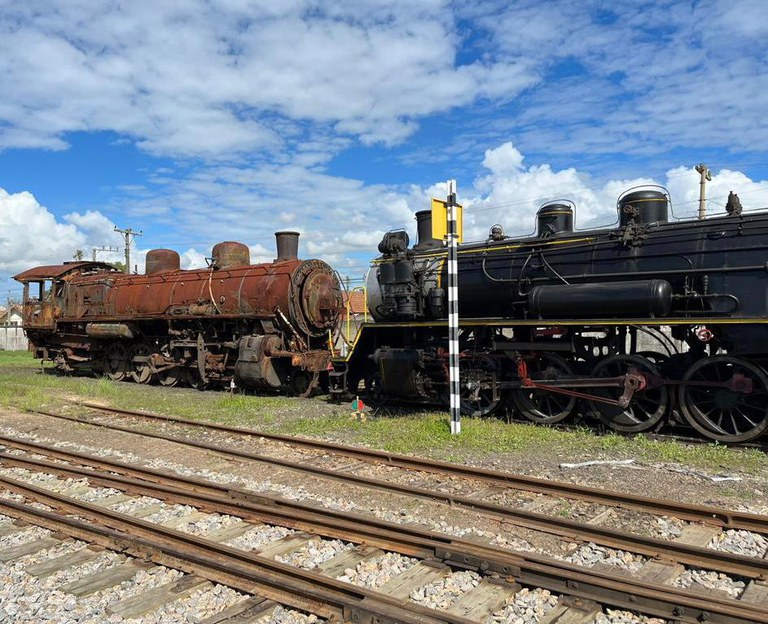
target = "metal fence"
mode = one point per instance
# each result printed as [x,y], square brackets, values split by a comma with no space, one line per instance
[12,338]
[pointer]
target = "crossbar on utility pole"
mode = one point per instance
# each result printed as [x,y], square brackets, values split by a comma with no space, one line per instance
[95,250]
[129,235]
[453,310]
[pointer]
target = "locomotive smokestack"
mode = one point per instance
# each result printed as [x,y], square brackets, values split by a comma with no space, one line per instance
[424,226]
[287,246]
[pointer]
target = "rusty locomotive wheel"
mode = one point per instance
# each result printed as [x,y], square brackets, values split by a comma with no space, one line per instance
[140,365]
[647,406]
[727,399]
[170,377]
[303,383]
[541,406]
[192,377]
[116,361]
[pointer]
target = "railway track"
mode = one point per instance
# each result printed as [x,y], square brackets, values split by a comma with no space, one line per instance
[492,482]
[502,572]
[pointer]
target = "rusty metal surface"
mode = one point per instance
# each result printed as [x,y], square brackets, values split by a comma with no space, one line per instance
[684,605]
[308,290]
[59,270]
[229,254]
[161,260]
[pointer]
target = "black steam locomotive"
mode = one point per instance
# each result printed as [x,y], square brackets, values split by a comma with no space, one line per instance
[633,324]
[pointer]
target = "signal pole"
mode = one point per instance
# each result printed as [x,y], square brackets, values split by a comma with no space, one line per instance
[97,249]
[453,311]
[129,235]
[705,176]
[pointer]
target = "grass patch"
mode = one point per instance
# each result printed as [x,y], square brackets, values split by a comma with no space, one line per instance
[423,432]
[19,359]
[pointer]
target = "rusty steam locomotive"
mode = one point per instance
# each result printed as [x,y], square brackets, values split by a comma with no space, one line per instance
[629,323]
[265,326]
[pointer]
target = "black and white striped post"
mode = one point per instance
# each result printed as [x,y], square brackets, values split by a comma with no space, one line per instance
[453,310]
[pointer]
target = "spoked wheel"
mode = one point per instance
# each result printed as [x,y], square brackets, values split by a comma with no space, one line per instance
[475,400]
[141,371]
[541,406]
[116,361]
[736,412]
[658,358]
[480,402]
[192,377]
[647,407]
[170,377]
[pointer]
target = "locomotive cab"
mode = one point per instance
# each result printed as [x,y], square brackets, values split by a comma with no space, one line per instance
[45,291]
[38,301]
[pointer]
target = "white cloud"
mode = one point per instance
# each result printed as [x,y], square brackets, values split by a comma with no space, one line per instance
[341,220]
[511,193]
[635,77]
[218,78]
[31,234]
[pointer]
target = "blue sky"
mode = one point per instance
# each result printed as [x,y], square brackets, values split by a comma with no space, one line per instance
[218,120]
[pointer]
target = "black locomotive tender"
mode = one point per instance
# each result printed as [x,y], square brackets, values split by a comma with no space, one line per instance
[565,319]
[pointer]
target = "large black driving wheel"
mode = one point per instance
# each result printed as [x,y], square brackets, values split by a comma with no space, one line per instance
[542,406]
[726,398]
[647,406]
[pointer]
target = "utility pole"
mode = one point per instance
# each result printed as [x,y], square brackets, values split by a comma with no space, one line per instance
[129,235]
[8,319]
[107,249]
[705,176]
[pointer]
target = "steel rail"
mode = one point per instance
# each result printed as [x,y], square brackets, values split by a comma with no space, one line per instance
[723,561]
[685,511]
[603,587]
[277,581]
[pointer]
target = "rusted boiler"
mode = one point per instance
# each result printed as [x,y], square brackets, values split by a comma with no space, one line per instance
[265,326]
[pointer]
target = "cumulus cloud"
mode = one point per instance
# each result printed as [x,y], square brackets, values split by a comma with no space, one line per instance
[31,234]
[511,193]
[635,77]
[341,220]
[218,78]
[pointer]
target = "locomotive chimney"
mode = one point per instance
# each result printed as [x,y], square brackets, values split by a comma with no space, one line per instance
[424,227]
[287,246]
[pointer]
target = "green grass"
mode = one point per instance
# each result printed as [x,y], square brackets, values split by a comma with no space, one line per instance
[22,359]
[396,430]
